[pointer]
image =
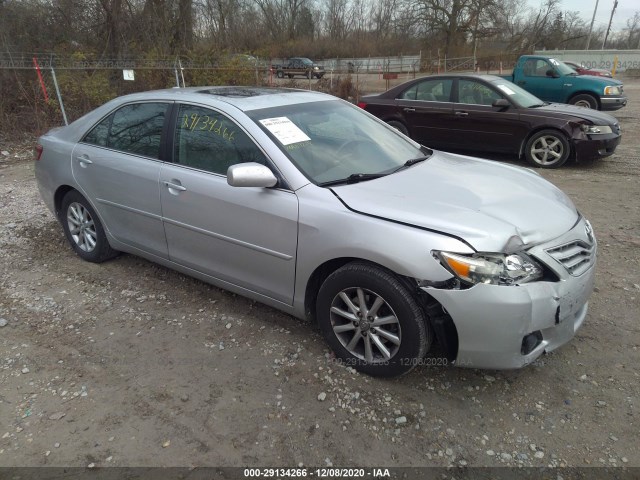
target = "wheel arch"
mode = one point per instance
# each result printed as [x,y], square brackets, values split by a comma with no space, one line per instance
[561,129]
[59,195]
[587,92]
[436,315]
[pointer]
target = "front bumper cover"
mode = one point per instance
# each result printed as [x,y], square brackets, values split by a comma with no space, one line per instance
[492,320]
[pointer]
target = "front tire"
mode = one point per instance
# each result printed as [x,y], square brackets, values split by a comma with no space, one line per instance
[547,149]
[83,229]
[584,100]
[280,74]
[372,321]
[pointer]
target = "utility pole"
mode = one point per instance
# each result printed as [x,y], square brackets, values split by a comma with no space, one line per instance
[615,4]
[593,19]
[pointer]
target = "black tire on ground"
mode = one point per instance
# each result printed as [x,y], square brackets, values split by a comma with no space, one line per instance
[547,149]
[399,126]
[290,75]
[280,74]
[584,100]
[385,337]
[84,230]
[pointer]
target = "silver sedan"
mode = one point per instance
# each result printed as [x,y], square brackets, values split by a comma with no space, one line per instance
[311,205]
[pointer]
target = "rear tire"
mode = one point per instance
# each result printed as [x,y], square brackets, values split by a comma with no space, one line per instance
[584,100]
[547,149]
[372,321]
[399,126]
[84,230]
[280,74]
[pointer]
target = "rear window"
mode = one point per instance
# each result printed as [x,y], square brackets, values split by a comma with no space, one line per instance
[134,128]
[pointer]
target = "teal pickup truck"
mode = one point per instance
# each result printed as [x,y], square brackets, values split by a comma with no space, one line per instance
[553,81]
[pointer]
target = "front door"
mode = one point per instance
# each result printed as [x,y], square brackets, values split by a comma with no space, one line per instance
[242,235]
[482,127]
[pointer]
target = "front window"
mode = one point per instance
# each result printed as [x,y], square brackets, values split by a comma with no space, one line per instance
[207,140]
[476,93]
[331,140]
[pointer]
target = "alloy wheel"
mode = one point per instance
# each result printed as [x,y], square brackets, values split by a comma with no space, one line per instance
[81,227]
[365,324]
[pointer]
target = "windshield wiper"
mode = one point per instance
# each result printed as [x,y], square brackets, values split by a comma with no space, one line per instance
[413,161]
[539,105]
[360,177]
[354,178]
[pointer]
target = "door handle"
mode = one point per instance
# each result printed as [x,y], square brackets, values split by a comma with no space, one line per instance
[84,160]
[174,186]
[462,114]
[409,109]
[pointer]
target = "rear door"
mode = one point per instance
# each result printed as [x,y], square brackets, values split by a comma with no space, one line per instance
[117,166]
[244,236]
[428,112]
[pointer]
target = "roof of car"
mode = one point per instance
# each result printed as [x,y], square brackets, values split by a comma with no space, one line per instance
[243,98]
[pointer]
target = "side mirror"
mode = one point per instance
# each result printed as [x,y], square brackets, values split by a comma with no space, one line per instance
[552,73]
[501,103]
[250,174]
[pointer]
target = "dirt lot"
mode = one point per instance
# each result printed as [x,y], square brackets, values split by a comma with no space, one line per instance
[127,363]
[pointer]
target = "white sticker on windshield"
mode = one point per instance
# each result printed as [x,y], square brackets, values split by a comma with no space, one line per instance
[506,90]
[285,130]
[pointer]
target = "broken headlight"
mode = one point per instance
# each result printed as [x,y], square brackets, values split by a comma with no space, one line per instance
[491,268]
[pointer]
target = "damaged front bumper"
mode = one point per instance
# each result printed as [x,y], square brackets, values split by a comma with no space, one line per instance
[504,327]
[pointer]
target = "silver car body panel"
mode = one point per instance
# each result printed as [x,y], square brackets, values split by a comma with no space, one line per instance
[124,188]
[213,227]
[267,243]
[469,198]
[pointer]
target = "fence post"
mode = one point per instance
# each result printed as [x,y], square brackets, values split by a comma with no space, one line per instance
[55,84]
[181,72]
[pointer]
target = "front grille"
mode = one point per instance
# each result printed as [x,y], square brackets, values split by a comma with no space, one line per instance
[576,256]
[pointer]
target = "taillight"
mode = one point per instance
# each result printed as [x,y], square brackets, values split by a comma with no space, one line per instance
[38,152]
[362,105]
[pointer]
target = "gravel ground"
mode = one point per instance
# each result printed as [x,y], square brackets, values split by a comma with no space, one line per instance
[128,363]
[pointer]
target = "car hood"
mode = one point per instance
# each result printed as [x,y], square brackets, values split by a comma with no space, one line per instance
[491,206]
[594,116]
[596,80]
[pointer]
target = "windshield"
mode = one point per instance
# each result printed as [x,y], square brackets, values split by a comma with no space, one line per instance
[518,95]
[562,68]
[333,140]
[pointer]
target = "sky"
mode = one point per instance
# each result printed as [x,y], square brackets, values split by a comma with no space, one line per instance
[624,11]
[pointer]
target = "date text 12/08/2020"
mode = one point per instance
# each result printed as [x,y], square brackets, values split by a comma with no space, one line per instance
[327,472]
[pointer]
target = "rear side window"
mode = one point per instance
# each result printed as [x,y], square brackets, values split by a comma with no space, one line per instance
[207,140]
[135,128]
[432,90]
